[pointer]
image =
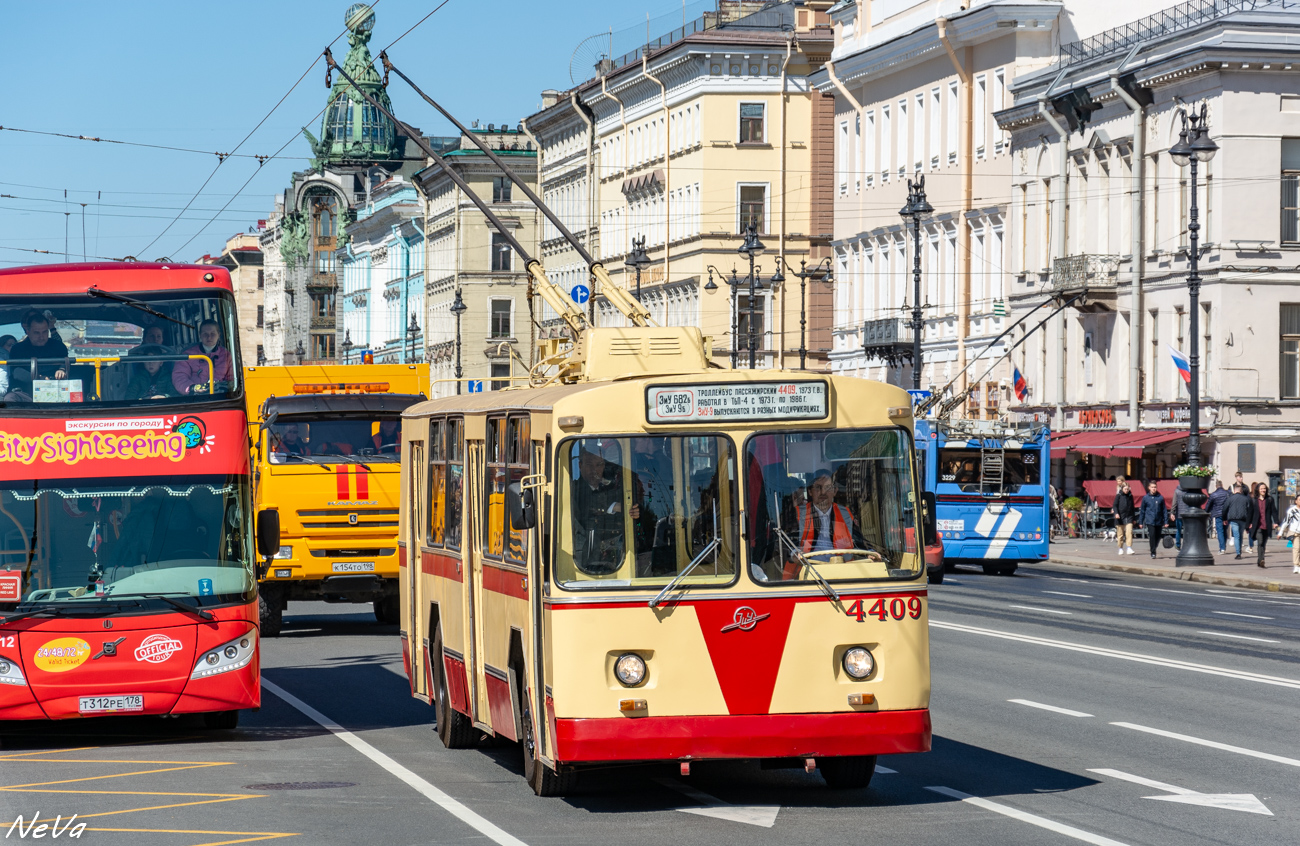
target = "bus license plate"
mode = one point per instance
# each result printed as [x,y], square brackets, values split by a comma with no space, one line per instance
[107,704]
[354,566]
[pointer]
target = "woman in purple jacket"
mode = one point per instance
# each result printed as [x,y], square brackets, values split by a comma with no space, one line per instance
[191,377]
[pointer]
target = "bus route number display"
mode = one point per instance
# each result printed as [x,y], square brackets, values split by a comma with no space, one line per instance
[736,402]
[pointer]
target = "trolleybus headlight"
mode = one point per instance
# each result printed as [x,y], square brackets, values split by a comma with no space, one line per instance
[630,669]
[858,662]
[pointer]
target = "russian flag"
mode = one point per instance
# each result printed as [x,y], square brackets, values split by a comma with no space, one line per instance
[1180,361]
[1019,384]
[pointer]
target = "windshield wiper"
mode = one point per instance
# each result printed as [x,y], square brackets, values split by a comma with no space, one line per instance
[108,295]
[799,556]
[33,612]
[709,547]
[183,606]
[347,459]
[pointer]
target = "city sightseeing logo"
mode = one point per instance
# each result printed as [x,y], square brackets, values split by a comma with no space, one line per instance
[107,439]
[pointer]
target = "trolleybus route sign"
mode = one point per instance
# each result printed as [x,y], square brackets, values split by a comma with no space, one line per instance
[736,402]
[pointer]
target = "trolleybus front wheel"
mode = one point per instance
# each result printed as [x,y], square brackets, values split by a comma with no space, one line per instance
[544,780]
[454,728]
[848,773]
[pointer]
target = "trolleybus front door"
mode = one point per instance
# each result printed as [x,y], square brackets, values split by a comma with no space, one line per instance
[414,571]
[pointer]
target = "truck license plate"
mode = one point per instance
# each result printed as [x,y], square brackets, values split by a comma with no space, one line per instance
[108,704]
[354,566]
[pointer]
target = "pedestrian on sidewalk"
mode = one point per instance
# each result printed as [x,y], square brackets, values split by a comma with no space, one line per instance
[1236,513]
[1215,505]
[1291,531]
[1248,490]
[1263,519]
[1125,512]
[1154,514]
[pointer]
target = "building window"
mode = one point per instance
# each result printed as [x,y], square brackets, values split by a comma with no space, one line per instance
[500,253]
[751,123]
[743,320]
[501,186]
[260,316]
[322,305]
[1290,349]
[500,376]
[322,346]
[753,207]
[261,354]
[1290,190]
[500,320]
[261,279]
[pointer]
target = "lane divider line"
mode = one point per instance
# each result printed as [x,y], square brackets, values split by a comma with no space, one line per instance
[425,788]
[1235,614]
[1053,708]
[1044,610]
[1240,637]
[1213,744]
[1032,819]
[1239,675]
[1063,593]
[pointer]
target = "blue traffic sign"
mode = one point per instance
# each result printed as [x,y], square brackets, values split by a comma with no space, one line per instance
[920,395]
[475,386]
[580,294]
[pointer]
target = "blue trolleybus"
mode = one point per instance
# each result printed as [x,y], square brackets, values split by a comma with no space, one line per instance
[990,480]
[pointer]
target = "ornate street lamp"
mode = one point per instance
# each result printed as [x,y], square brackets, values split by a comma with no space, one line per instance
[917,208]
[818,272]
[412,330]
[637,259]
[1194,146]
[458,308]
[735,318]
[752,248]
[347,344]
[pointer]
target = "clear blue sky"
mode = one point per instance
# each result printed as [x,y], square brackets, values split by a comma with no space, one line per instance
[201,75]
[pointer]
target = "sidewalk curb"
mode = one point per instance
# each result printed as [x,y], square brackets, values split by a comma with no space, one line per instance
[1198,574]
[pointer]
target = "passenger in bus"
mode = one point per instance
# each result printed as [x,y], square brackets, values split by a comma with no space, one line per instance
[153,336]
[7,343]
[824,524]
[598,536]
[287,441]
[652,492]
[388,440]
[40,343]
[191,377]
[150,379]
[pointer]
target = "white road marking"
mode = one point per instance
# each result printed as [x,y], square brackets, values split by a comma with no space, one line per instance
[760,815]
[1241,637]
[433,794]
[1079,581]
[1234,614]
[1017,814]
[1240,675]
[884,770]
[1044,610]
[1213,744]
[1063,593]
[1246,802]
[1053,708]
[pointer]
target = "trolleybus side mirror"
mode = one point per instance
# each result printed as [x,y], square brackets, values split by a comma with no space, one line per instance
[521,505]
[929,519]
[268,532]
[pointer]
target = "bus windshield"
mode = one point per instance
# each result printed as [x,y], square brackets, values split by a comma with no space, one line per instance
[994,471]
[331,440]
[839,505]
[117,350]
[80,541]
[645,510]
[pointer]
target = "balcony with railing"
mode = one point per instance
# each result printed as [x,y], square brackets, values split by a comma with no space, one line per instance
[1177,18]
[1093,278]
[888,339]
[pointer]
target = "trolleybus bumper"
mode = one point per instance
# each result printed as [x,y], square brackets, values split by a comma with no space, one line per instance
[742,736]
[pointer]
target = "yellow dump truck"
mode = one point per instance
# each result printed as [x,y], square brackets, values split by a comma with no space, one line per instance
[326,445]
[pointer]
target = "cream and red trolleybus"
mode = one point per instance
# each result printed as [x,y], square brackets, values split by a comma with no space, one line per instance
[662,561]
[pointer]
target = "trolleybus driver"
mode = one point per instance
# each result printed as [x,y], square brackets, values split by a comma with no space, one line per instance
[597,515]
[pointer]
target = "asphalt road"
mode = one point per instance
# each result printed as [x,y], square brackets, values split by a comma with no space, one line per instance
[1069,706]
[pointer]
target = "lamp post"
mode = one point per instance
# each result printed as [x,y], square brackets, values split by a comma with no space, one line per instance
[917,208]
[818,272]
[1194,146]
[735,286]
[637,259]
[752,248]
[458,308]
[347,344]
[412,329]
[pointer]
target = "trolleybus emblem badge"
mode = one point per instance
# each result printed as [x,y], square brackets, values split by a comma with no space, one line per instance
[744,619]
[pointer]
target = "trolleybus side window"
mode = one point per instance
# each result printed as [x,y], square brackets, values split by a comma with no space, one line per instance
[437,482]
[645,510]
[835,505]
[455,481]
[494,489]
[518,447]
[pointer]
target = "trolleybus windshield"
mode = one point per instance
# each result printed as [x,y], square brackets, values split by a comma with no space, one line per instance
[83,541]
[839,505]
[964,467]
[330,439]
[646,510]
[111,349]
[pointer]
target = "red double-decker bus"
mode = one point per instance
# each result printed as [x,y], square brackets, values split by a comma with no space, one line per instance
[128,577]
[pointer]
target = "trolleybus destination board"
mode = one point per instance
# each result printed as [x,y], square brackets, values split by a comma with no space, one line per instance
[736,401]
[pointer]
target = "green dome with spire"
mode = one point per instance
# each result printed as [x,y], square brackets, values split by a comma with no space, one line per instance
[352,130]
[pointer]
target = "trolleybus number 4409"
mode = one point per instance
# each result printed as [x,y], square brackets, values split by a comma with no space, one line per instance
[884,609]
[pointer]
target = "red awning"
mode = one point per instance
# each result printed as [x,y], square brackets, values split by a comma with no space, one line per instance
[1112,443]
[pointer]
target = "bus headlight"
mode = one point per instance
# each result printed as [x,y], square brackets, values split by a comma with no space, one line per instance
[630,669]
[858,662]
[11,674]
[285,552]
[228,656]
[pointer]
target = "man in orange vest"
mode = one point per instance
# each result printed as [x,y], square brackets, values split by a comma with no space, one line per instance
[824,525]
